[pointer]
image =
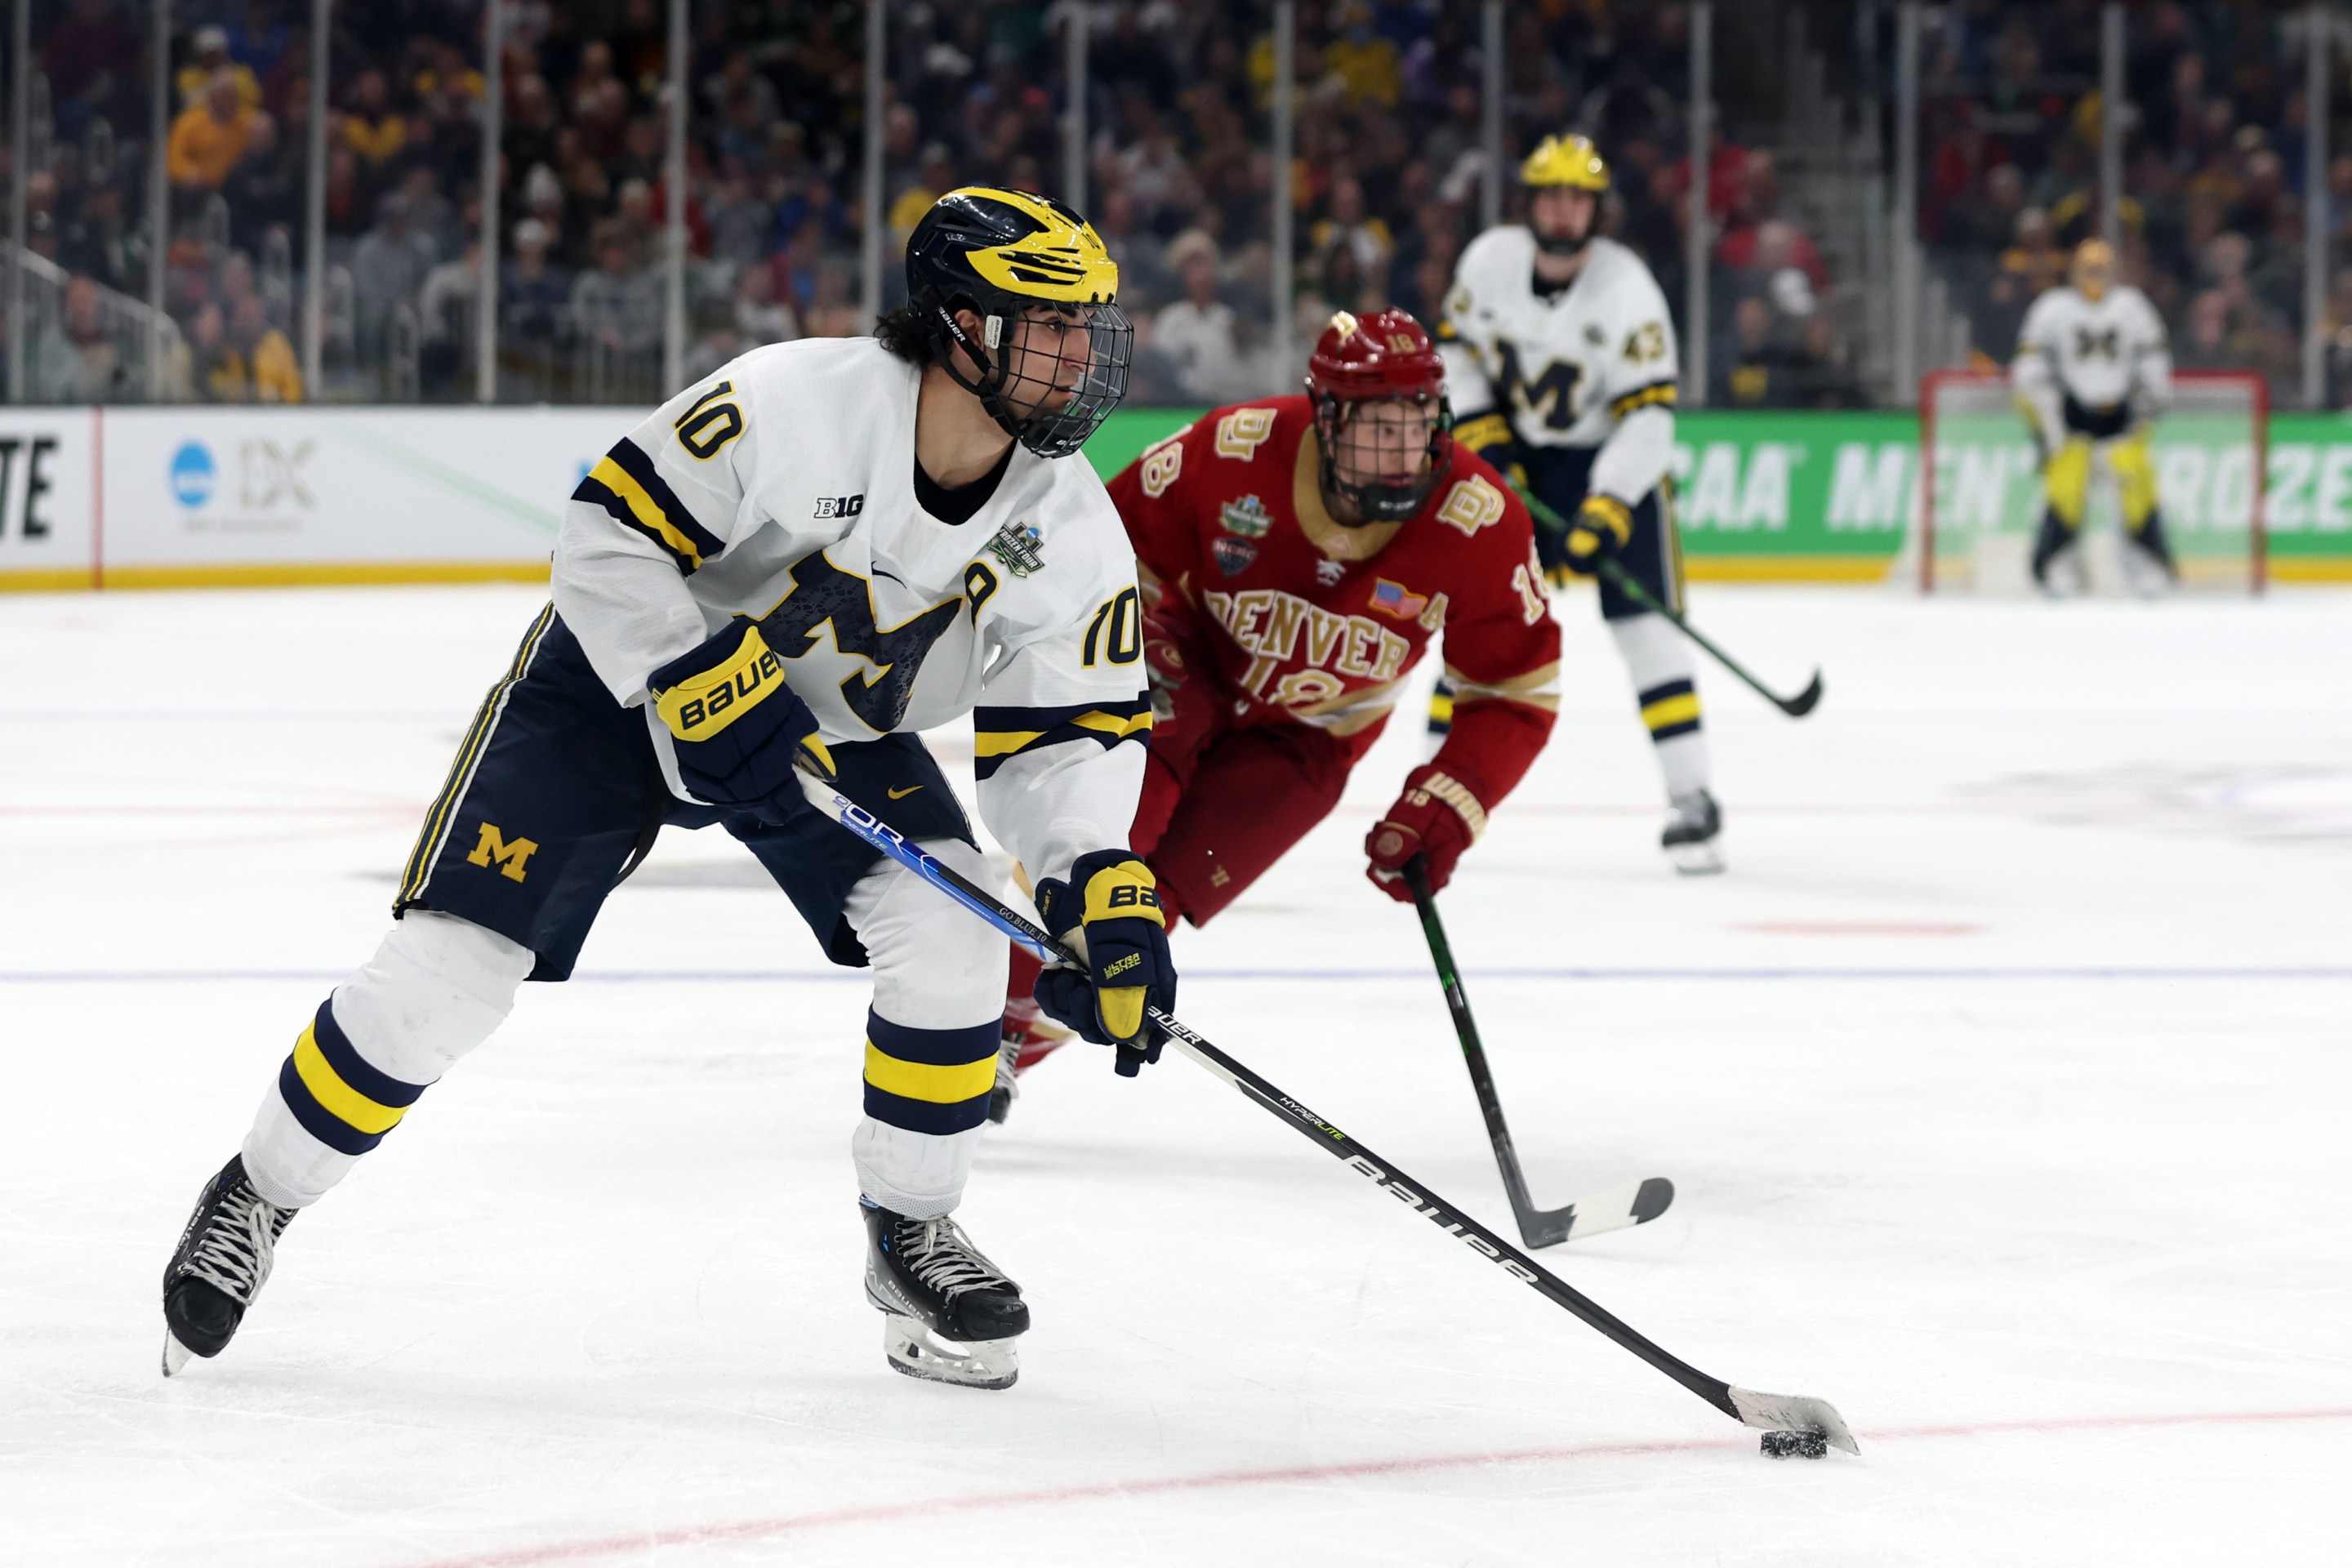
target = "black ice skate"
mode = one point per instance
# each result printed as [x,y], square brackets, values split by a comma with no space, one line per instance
[952,1316]
[1692,829]
[222,1259]
[1008,1079]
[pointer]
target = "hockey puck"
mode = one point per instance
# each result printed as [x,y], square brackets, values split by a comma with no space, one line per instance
[1796,1445]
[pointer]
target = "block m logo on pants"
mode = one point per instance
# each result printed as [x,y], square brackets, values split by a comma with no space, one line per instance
[509,858]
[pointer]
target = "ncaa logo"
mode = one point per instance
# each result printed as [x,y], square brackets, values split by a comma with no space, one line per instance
[192,474]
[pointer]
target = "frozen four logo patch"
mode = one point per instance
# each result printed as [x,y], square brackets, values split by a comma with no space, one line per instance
[1234,555]
[1019,548]
[1247,517]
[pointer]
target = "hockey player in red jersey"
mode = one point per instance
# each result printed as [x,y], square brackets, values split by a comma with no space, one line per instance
[1297,555]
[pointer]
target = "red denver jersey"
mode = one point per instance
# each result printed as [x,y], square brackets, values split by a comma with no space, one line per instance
[1316,624]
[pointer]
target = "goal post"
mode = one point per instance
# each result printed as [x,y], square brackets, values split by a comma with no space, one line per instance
[1980,490]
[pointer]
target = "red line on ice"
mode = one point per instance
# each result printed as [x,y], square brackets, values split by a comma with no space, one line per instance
[782,1524]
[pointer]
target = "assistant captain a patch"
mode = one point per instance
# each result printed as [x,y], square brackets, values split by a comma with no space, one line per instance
[1247,517]
[1234,555]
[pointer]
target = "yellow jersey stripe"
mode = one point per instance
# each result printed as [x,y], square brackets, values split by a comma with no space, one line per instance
[1661,392]
[1116,726]
[1001,742]
[920,1080]
[645,509]
[342,1101]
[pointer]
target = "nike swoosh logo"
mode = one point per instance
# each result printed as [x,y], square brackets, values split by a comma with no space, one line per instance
[903,793]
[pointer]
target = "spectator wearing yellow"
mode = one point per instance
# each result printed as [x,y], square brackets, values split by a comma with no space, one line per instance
[194,80]
[372,127]
[242,358]
[209,137]
[1366,64]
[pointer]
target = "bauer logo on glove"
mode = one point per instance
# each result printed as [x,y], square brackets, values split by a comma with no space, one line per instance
[1109,910]
[734,723]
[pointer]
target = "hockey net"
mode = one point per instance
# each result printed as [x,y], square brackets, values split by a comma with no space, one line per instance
[1977,518]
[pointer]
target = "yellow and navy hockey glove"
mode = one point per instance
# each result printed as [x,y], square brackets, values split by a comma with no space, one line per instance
[1603,524]
[738,728]
[1112,901]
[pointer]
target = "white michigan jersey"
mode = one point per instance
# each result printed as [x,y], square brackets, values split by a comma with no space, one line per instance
[1569,369]
[2103,353]
[782,487]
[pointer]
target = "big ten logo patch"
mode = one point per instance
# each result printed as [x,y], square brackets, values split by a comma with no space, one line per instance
[1162,461]
[840,506]
[1241,433]
[1471,505]
[509,856]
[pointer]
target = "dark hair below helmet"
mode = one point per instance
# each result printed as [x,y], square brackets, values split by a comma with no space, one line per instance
[1008,257]
[1384,357]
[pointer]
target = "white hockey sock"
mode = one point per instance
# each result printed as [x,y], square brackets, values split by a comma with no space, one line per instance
[930,1059]
[436,988]
[1664,670]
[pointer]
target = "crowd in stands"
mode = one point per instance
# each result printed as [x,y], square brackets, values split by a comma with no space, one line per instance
[2214,157]
[1386,182]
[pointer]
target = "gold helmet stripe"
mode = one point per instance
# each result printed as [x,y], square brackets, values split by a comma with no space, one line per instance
[1571,161]
[1064,263]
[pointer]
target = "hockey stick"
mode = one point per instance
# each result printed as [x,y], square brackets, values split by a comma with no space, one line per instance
[1815,1420]
[1795,707]
[1634,1203]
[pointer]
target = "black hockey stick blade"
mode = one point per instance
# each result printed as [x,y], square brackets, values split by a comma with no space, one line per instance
[1802,703]
[1772,1412]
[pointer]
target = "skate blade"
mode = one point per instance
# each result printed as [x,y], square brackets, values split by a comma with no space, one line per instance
[1702,860]
[176,1356]
[914,1350]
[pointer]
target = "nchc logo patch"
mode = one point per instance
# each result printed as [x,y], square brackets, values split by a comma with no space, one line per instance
[509,857]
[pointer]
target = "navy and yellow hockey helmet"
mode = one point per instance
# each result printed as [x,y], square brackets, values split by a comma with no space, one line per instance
[1012,258]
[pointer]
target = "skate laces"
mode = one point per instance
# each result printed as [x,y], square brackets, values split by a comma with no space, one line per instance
[235,1253]
[938,1253]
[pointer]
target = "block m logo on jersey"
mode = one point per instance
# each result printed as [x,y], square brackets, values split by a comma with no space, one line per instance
[825,594]
[494,849]
[1551,396]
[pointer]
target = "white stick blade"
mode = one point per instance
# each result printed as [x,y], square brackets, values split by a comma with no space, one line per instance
[1635,1202]
[1794,1413]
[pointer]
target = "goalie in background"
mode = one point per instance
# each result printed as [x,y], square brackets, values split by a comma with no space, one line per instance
[2093,372]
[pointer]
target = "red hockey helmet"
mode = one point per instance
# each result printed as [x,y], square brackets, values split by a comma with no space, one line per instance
[1378,390]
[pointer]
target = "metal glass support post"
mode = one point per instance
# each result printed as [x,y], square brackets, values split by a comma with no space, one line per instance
[1285,109]
[2111,124]
[485,304]
[314,207]
[1490,129]
[1698,242]
[1073,104]
[1905,247]
[20,130]
[2316,219]
[159,195]
[870,247]
[673,222]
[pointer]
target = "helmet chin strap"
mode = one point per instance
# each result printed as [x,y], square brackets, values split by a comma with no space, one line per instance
[989,386]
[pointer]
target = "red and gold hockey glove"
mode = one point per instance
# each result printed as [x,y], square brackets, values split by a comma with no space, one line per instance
[1436,817]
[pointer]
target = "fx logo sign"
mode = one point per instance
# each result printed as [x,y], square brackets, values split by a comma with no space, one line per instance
[509,857]
[274,474]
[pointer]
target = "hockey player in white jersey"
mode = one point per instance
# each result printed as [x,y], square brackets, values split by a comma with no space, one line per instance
[1560,363]
[2092,371]
[799,562]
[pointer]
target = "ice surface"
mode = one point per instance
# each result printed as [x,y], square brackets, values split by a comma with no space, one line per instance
[2003,1081]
